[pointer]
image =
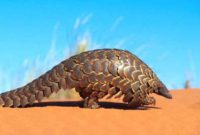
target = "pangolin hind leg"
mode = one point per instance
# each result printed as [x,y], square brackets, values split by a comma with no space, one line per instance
[90,97]
[91,102]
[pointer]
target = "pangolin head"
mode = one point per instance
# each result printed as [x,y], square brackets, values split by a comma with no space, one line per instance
[162,90]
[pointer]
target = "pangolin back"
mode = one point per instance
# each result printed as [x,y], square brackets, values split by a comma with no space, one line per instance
[95,74]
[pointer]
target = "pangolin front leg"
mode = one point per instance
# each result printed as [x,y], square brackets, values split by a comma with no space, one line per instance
[149,101]
[136,102]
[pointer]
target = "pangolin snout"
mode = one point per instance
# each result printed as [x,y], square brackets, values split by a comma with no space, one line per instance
[163,91]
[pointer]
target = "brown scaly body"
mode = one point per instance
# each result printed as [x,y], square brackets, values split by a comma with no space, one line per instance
[95,74]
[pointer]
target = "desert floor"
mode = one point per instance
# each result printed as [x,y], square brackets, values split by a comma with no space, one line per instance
[179,116]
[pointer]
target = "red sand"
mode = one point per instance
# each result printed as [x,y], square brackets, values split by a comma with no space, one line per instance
[180,116]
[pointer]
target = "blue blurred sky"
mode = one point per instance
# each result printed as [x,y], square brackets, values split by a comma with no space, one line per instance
[165,34]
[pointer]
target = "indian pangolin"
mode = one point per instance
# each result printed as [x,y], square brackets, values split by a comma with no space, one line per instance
[94,74]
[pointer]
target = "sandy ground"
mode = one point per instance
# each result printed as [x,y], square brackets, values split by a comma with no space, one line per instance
[180,116]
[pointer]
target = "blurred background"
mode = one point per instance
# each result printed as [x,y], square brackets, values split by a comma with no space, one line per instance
[36,35]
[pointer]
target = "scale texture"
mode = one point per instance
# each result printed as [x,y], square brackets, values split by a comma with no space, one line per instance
[94,74]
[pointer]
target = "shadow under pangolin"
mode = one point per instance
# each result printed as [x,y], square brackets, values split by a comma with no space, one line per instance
[107,105]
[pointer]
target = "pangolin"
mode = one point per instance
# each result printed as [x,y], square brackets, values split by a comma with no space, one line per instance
[94,74]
